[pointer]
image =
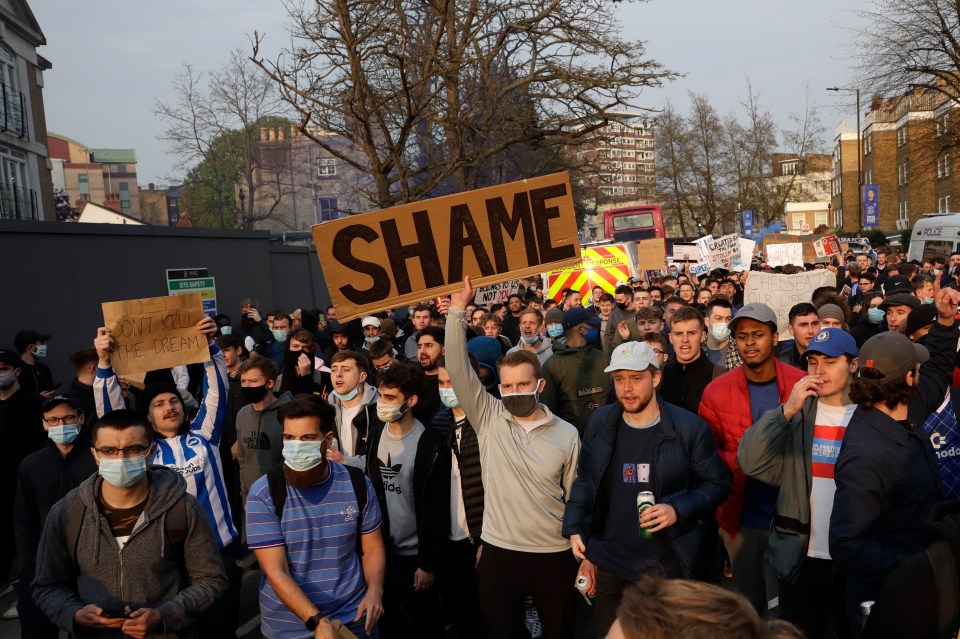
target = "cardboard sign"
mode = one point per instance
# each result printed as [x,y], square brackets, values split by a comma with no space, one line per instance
[781,292]
[827,246]
[496,294]
[781,254]
[390,258]
[702,267]
[723,250]
[156,332]
[650,255]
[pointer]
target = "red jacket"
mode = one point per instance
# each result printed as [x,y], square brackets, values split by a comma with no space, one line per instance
[725,406]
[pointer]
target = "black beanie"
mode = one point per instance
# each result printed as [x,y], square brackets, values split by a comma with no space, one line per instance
[150,393]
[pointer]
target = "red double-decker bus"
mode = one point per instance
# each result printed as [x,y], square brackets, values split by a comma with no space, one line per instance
[634,223]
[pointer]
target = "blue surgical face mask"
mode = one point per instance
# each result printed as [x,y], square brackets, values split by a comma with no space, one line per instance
[555,330]
[876,314]
[346,397]
[530,341]
[372,340]
[280,336]
[300,455]
[123,472]
[226,330]
[448,398]
[64,434]
[928,300]
[592,335]
[41,351]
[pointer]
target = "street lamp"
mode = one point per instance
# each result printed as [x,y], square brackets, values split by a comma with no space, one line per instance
[859,157]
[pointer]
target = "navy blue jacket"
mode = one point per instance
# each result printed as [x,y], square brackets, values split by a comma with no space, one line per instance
[687,474]
[888,479]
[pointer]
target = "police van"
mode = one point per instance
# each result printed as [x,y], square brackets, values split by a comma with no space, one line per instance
[934,236]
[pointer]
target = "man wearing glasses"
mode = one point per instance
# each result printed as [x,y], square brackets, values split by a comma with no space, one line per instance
[128,549]
[192,449]
[45,476]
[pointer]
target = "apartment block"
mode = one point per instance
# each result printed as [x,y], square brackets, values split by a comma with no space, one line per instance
[107,177]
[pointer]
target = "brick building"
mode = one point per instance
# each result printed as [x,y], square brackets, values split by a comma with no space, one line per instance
[904,154]
[102,176]
[843,180]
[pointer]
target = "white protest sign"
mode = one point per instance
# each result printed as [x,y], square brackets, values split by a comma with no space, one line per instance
[496,294]
[781,292]
[742,262]
[722,250]
[702,266]
[782,254]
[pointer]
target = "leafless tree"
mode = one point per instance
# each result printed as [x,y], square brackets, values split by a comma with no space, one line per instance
[214,120]
[433,92]
[911,44]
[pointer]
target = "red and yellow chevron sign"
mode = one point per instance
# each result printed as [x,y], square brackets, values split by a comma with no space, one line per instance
[601,266]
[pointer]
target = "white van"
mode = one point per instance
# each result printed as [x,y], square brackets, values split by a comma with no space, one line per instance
[934,236]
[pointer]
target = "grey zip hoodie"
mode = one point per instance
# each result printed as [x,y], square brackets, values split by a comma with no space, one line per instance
[145,574]
[259,442]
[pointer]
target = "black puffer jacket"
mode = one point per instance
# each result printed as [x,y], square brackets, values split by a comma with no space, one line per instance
[468,459]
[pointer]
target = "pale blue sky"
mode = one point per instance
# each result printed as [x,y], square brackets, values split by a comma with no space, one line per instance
[113,58]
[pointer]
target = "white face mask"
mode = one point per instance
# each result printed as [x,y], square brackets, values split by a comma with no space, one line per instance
[720,331]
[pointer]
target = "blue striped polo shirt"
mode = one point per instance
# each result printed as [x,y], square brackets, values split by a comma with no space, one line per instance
[319,531]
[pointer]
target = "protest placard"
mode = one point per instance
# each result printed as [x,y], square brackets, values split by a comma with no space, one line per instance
[781,292]
[685,252]
[722,251]
[702,266]
[827,246]
[496,294]
[156,332]
[651,255]
[782,254]
[389,258]
[742,263]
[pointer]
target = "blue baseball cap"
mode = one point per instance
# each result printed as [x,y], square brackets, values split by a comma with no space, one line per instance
[833,342]
[579,315]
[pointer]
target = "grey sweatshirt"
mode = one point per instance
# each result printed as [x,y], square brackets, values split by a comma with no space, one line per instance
[527,477]
[145,574]
[259,441]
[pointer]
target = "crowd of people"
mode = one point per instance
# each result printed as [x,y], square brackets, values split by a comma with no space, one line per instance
[661,461]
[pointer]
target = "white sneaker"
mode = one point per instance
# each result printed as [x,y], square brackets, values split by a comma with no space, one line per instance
[531,620]
[11,613]
[7,588]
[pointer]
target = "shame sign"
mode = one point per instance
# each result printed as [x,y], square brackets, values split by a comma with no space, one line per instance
[392,257]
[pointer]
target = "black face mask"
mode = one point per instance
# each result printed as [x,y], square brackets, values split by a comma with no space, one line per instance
[622,306]
[254,394]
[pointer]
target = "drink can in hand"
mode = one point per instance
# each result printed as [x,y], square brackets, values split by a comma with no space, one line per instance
[645,500]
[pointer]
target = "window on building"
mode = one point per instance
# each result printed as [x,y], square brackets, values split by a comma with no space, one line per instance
[838,218]
[821,218]
[901,136]
[868,144]
[799,219]
[326,166]
[789,167]
[327,209]
[904,214]
[121,168]
[946,204]
[84,181]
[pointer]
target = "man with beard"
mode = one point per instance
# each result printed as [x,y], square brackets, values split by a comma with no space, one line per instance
[730,404]
[315,530]
[429,352]
[528,458]
[410,471]
[641,443]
